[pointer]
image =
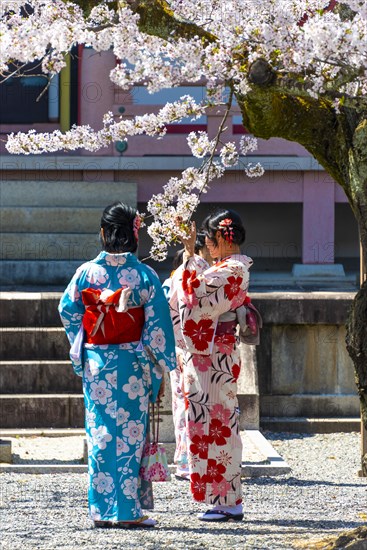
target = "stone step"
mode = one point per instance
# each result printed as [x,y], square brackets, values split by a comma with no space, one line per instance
[49,246]
[311,425]
[29,309]
[56,193]
[327,405]
[38,219]
[30,343]
[36,377]
[33,411]
[40,432]
[57,411]
[39,274]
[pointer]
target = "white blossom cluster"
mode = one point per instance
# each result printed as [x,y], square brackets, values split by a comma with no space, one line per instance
[181,196]
[298,37]
[179,199]
[85,137]
[320,49]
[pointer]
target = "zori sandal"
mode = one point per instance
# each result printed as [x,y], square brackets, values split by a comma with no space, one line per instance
[219,515]
[105,524]
[182,476]
[144,522]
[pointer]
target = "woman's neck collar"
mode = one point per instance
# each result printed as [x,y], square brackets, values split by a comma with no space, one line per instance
[230,252]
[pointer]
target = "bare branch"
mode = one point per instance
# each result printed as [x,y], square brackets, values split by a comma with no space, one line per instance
[158,19]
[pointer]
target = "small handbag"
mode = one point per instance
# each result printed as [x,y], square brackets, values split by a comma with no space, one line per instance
[154,465]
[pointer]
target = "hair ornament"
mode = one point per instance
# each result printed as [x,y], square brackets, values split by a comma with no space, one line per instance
[137,224]
[227,229]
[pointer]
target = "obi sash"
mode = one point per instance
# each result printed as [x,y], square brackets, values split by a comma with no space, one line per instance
[108,320]
[226,327]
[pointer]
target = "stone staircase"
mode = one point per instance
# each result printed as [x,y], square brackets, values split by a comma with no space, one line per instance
[38,388]
[48,228]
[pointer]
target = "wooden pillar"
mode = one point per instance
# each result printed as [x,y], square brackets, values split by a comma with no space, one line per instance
[65,96]
[318,220]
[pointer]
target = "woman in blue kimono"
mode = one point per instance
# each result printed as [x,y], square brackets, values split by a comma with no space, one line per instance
[118,324]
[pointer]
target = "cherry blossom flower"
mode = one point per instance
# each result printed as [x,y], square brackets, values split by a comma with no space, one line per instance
[144,402]
[221,488]
[200,333]
[122,416]
[97,275]
[134,431]
[112,379]
[233,286]
[129,277]
[91,369]
[130,487]
[220,413]
[322,52]
[121,446]
[134,387]
[215,471]
[90,418]
[195,428]
[103,483]
[224,458]
[199,446]
[218,432]
[100,437]
[198,486]
[115,259]
[225,343]
[100,392]
[158,340]
[236,371]
[201,362]
[111,409]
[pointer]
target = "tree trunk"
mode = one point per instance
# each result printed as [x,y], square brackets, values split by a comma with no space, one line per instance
[357,349]
[338,142]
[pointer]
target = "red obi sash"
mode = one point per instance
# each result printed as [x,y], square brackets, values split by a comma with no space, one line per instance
[108,320]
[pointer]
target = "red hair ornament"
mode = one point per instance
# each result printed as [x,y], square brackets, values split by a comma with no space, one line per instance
[227,229]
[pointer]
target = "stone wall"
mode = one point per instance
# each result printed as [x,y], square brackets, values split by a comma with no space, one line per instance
[303,366]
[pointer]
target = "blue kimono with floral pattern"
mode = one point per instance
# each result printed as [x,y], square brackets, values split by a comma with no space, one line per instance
[119,380]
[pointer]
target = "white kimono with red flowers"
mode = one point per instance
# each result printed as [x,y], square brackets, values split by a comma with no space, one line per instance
[203,303]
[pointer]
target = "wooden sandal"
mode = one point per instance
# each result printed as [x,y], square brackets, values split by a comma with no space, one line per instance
[105,524]
[144,522]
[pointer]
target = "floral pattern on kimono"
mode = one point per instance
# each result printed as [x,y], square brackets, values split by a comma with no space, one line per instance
[118,382]
[178,399]
[211,366]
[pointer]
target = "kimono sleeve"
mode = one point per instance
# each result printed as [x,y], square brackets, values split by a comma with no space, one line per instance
[71,310]
[158,341]
[202,298]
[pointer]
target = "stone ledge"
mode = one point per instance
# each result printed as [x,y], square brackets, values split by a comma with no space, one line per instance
[40,432]
[5,451]
[303,308]
[310,406]
[33,411]
[318,271]
[275,465]
[310,425]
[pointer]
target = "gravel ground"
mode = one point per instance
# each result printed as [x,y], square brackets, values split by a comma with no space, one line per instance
[70,450]
[321,496]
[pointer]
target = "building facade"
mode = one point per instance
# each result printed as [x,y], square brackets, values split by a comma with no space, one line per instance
[299,224]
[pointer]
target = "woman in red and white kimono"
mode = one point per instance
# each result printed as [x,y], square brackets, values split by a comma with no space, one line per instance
[203,305]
